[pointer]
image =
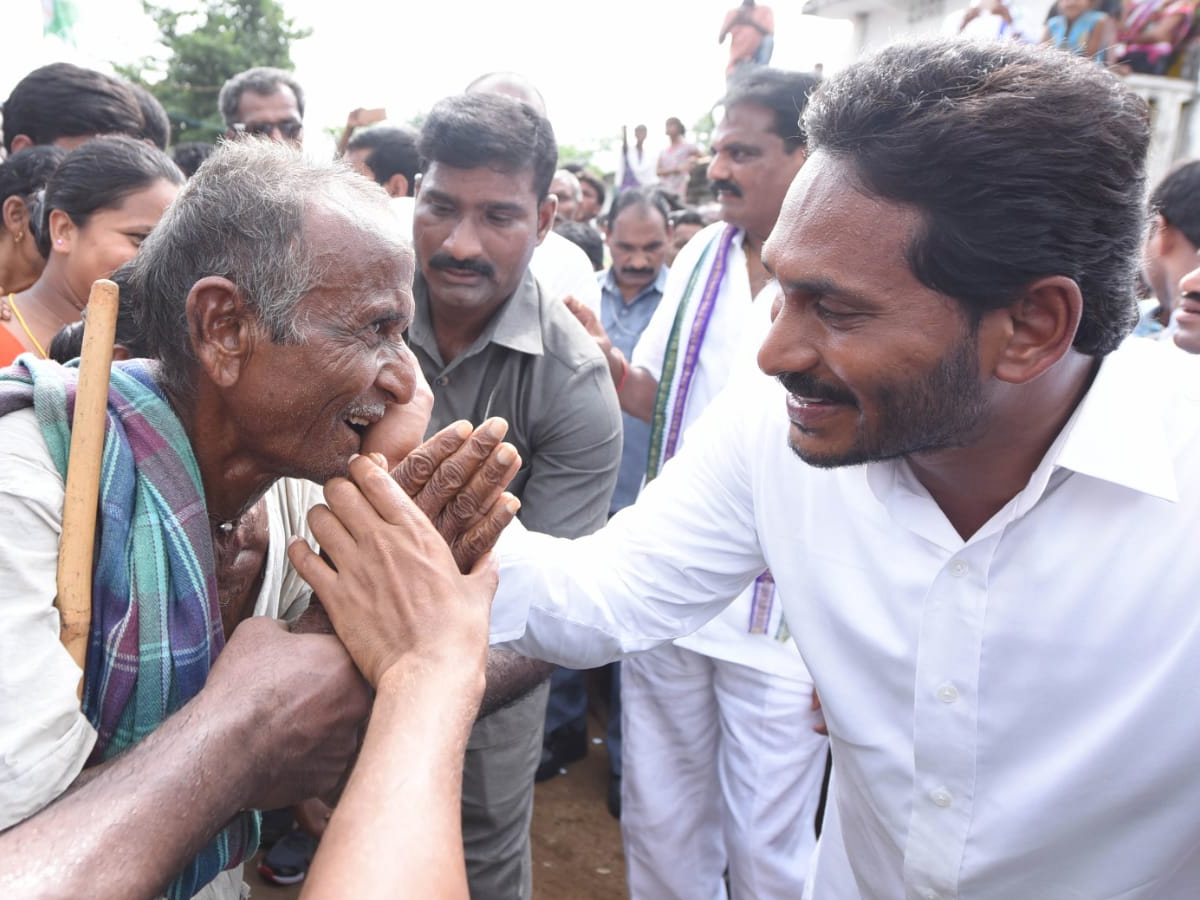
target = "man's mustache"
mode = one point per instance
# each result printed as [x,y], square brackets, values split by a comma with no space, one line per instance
[724,184]
[446,261]
[803,385]
[637,273]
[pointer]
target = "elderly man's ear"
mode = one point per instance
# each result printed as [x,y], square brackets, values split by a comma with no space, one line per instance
[221,328]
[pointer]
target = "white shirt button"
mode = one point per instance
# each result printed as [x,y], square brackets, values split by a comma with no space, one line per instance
[941,797]
[947,693]
[443,380]
[958,568]
[929,894]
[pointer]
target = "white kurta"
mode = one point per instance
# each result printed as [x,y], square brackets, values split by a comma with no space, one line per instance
[739,323]
[1011,716]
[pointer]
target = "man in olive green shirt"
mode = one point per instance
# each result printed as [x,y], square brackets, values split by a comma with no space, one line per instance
[491,343]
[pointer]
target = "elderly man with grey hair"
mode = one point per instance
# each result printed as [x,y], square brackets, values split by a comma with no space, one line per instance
[263,102]
[274,294]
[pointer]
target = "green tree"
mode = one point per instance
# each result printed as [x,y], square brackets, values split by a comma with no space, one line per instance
[204,49]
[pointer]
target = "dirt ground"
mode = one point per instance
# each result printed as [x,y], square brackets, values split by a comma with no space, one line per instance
[576,843]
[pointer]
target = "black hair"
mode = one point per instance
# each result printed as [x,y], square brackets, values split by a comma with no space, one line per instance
[156,124]
[100,175]
[586,238]
[687,216]
[675,121]
[1177,199]
[264,80]
[784,94]
[1025,163]
[63,100]
[472,131]
[393,151]
[646,198]
[190,155]
[24,174]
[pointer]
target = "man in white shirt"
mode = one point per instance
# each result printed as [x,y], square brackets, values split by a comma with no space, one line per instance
[952,552]
[720,754]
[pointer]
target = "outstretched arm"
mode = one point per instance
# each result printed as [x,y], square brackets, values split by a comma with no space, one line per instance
[417,628]
[276,722]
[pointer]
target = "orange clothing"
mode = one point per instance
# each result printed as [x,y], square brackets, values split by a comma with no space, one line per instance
[10,347]
[746,28]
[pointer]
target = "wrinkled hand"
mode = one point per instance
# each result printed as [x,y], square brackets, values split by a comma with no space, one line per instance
[309,703]
[396,590]
[403,425]
[457,478]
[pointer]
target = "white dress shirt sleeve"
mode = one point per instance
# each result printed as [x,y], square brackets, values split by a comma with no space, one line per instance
[660,568]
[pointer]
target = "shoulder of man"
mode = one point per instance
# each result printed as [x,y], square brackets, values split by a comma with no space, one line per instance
[564,340]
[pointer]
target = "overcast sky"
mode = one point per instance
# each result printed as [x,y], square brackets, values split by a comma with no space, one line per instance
[599,64]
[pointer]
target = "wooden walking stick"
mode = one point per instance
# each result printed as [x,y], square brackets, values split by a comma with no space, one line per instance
[80,506]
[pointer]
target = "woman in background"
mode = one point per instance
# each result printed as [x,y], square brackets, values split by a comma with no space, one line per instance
[1082,30]
[22,176]
[100,204]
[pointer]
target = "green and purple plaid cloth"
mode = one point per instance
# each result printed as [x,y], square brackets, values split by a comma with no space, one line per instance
[156,623]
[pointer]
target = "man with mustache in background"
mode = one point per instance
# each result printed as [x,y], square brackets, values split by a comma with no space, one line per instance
[638,231]
[492,343]
[722,767]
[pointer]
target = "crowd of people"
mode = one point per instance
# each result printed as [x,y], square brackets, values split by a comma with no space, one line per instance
[866,476]
[1148,37]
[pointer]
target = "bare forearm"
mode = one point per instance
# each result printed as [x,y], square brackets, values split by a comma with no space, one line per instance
[510,677]
[401,810]
[128,827]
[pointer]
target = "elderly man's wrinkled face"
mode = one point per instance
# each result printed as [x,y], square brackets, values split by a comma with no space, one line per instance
[309,401]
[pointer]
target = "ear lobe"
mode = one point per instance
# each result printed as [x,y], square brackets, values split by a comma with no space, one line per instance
[19,143]
[547,209]
[396,186]
[1041,326]
[220,327]
[16,215]
[62,231]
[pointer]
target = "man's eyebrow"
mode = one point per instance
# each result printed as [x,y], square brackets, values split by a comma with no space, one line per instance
[731,146]
[434,194]
[823,287]
[504,206]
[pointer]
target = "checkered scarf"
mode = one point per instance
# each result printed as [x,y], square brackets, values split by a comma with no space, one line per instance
[156,624]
